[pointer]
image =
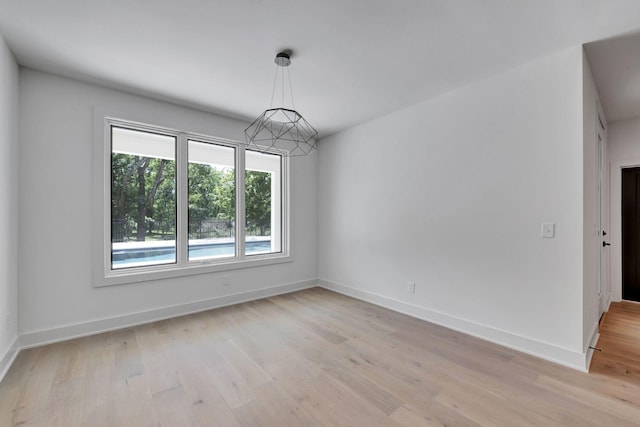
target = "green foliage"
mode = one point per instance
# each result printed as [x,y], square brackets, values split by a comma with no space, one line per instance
[143,199]
[212,196]
[258,201]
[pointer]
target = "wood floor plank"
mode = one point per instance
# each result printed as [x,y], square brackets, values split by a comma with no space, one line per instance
[374,394]
[273,407]
[331,403]
[173,408]
[37,384]
[232,385]
[134,407]
[615,407]
[159,359]
[207,404]
[243,365]
[620,343]
[126,354]
[407,416]
[315,358]
[489,409]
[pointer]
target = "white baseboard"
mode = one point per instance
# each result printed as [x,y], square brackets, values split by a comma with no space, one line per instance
[594,340]
[543,350]
[9,357]
[76,330]
[553,353]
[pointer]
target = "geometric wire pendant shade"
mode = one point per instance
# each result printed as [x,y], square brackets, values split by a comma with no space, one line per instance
[281,130]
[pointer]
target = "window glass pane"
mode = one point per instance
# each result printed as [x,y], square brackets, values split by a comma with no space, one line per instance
[212,201]
[263,203]
[143,198]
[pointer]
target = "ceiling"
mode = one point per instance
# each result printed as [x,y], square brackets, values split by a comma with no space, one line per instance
[353,60]
[615,64]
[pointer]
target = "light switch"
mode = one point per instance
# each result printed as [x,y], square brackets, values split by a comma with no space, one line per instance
[548,230]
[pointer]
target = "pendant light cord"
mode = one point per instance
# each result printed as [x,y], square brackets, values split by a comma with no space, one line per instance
[275,84]
[282,85]
[273,91]
[293,105]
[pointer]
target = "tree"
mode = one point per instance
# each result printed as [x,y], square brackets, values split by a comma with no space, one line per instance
[141,201]
[211,196]
[258,200]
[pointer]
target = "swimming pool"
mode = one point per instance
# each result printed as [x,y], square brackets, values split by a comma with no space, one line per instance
[130,255]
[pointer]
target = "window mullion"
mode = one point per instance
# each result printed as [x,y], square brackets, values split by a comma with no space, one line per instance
[182,205]
[285,204]
[240,200]
[106,207]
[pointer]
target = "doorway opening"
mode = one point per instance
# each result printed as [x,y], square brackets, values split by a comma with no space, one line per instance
[631,234]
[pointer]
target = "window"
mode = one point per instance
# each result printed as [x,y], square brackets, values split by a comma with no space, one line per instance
[173,202]
[143,198]
[212,201]
[263,202]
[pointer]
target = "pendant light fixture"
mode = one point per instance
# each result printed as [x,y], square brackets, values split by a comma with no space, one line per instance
[281,130]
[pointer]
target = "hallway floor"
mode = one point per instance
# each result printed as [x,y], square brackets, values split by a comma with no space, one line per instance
[620,343]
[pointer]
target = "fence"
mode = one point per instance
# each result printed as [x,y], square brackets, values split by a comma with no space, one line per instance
[123,230]
[211,229]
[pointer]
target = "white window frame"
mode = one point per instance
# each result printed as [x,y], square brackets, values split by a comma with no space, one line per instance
[105,275]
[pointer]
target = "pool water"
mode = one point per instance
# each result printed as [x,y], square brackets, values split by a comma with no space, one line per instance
[156,255]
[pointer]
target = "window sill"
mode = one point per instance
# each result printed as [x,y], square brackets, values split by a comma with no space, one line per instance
[122,277]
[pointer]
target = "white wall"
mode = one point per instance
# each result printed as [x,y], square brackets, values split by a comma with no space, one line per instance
[8,205]
[56,296]
[591,303]
[451,194]
[624,140]
[623,151]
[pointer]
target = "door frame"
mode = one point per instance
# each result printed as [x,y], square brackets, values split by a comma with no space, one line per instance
[616,224]
[603,214]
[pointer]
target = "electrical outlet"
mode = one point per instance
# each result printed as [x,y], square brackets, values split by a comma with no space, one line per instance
[548,230]
[411,287]
[225,281]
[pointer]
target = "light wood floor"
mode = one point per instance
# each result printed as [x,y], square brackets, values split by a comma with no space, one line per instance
[620,343]
[311,358]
